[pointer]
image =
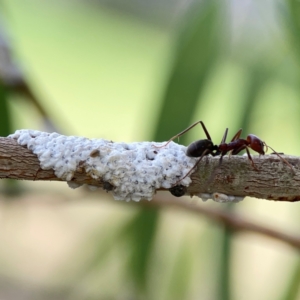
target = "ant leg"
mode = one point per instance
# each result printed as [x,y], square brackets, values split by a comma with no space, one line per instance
[224,136]
[180,134]
[237,135]
[206,152]
[222,154]
[221,159]
[250,157]
[205,130]
[215,150]
[238,150]
[281,158]
[242,147]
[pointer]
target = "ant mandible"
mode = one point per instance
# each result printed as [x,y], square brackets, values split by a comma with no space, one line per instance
[204,147]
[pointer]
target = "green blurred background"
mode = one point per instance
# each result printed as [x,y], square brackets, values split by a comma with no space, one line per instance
[137,70]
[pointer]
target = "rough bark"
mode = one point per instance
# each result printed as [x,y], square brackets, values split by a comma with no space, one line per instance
[272,179]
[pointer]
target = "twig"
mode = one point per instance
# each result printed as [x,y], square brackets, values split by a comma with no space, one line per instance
[236,177]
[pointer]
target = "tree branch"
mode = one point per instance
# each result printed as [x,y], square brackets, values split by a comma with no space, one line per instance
[17,162]
[101,165]
[236,176]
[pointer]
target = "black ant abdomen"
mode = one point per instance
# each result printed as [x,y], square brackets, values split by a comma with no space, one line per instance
[201,147]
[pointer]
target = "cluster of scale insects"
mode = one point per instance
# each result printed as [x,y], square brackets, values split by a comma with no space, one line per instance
[201,148]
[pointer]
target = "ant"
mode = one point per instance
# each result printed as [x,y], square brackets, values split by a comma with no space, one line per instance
[204,147]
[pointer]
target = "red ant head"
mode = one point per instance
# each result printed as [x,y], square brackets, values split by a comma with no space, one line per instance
[256,144]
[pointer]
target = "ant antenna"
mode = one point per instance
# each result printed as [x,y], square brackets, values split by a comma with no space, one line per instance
[280,157]
[224,136]
[181,133]
[205,130]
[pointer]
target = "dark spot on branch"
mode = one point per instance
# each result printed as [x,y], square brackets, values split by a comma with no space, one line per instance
[107,186]
[95,153]
[178,190]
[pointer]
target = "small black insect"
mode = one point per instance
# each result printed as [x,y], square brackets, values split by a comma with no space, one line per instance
[107,186]
[178,190]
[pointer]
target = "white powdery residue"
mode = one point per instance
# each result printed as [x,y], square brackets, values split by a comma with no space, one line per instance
[73,185]
[204,196]
[221,198]
[130,171]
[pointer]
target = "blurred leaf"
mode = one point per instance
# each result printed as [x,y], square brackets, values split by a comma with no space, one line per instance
[11,81]
[5,124]
[196,53]
[102,249]
[10,187]
[182,274]
[15,82]
[290,14]
[142,231]
[293,287]
[257,77]
[225,264]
